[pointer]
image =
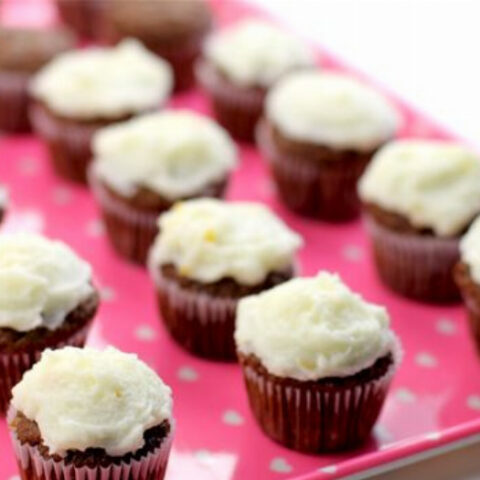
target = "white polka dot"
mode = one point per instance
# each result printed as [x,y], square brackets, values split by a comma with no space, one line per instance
[203,455]
[352,253]
[331,469]
[433,436]
[233,418]
[426,360]
[445,326]
[95,228]
[382,433]
[29,221]
[28,166]
[187,374]
[405,395]
[145,333]
[61,196]
[473,402]
[280,465]
[15,477]
[107,294]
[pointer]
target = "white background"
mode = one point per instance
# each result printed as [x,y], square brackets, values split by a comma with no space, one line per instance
[427,52]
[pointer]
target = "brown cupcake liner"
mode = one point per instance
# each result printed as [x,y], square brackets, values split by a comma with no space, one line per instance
[313,417]
[470,292]
[85,17]
[14,365]
[236,109]
[130,231]
[199,322]
[14,101]
[69,143]
[33,465]
[416,266]
[325,190]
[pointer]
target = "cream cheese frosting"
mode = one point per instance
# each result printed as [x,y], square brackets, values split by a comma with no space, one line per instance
[256,53]
[104,82]
[174,153]
[313,328]
[208,240]
[434,184]
[41,281]
[330,109]
[85,398]
[470,250]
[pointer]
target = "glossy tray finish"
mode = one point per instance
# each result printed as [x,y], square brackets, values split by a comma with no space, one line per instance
[435,397]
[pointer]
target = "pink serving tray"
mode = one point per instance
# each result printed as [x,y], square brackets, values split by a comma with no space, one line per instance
[435,399]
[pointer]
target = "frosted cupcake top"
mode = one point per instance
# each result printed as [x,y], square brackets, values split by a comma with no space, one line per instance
[330,109]
[470,250]
[435,185]
[103,82]
[174,153]
[208,240]
[313,328]
[255,53]
[84,398]
[41,281]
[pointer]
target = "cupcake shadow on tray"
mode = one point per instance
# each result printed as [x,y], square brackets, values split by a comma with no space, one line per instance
[317,358]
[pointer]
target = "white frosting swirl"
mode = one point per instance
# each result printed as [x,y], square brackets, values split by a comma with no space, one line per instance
[41,281]
[175,153]
[470,250]
[255,53]
[434,184]
[104,82]
[330,109]
[208,240]
[84,398]
[312,328]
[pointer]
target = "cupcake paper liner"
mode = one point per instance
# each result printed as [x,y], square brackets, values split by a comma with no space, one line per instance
[33,466]
[14,365]
[68,143]
[237,109]
[199,322]
[316,418]
[130,231]
[326,190]
[416,266]
[14,101]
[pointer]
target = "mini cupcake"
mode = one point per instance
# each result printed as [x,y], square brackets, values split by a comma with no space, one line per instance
[467,276]
[319,133]
[172,29]
[208,255]
[47,300]
[141,167]
[88,414]
[317,361]
[239,65]
[22,53]
[419,197]
[85,17]
[79,92]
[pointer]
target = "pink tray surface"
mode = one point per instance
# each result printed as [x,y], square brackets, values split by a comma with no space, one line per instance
[435,397]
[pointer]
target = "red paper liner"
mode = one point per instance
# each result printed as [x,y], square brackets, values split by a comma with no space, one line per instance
[199,322]
[416,266]
[33,466]
[326,190]
[14,365]
[312,417]
[237,109]
[69,143]
[14,101]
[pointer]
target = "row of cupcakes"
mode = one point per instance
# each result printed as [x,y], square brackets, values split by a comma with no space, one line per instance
[310,336]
